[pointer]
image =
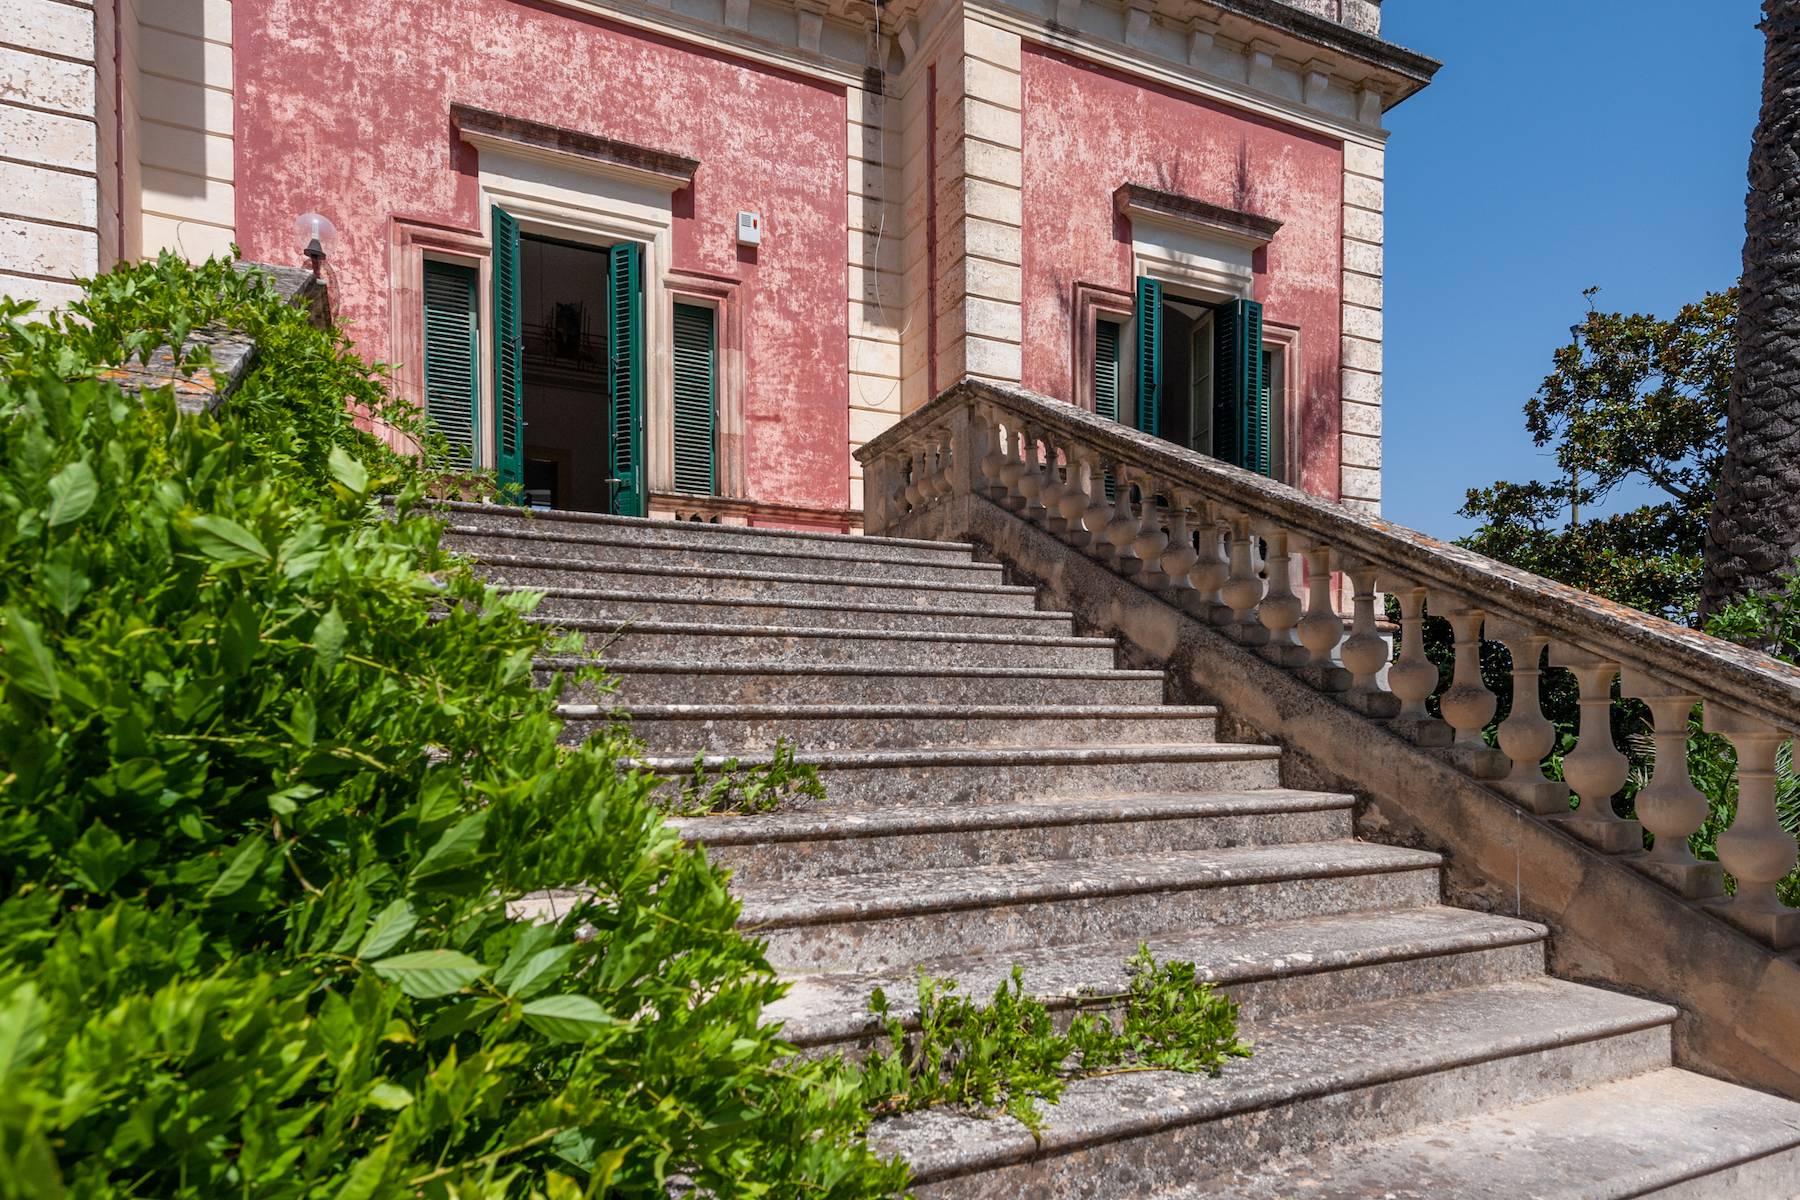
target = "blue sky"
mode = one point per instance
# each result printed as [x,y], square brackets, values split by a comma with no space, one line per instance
[1565,143]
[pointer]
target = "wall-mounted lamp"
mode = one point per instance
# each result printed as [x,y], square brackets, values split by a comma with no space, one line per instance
[315,237]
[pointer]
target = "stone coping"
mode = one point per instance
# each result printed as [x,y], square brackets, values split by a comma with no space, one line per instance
[1743,679]
[206,387]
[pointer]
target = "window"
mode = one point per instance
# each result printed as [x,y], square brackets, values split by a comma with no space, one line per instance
[1202,376]
[452,354]
[695,359]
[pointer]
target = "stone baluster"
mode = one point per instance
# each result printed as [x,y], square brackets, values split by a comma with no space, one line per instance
[945,482]
[1211,568]
[1031,479]
[1122,530]
[1100,511]
[1413,677]
[1321,629]
[1280,609]
[1756,850]
[1050,495]
[1595,770]
[994,454]
[1669,805]
[1012,469]
[1148,546]
[915,481]
[1365,652]
[1526,735]
[1076,497]
[1179,559]
[1243,589]
[1467,704]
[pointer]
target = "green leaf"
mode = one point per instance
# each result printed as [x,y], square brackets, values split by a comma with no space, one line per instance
[225,541]
[27,662]
[242,869]
[428,974]
[72,492]
[566,1018]
[100,858]
[535,973]
[348,471]
[22,1018]
[387,930]
[459,846]
[65,583]
[390,1096]
[329,636]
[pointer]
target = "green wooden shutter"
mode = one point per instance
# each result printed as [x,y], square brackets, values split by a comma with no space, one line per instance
[696,372]
[509,356]
[1106,369]
[1149,356]
[625,375]
[1263,426]
[1241,423]
[453,357]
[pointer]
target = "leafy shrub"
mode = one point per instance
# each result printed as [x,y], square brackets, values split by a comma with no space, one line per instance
[272,771]
[1009,1054]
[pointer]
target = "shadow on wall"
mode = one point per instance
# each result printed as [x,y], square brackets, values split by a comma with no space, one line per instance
[174,92]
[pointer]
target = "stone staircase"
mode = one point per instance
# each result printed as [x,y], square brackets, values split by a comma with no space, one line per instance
[1001,792]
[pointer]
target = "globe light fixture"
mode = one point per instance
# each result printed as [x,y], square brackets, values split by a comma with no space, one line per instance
[315,237]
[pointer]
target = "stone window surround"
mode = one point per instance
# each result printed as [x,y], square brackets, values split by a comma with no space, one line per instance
[575,186]
[719,293]
[1171,234]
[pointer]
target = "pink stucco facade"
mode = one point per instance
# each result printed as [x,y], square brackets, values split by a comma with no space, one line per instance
[345,108]
[1088,130]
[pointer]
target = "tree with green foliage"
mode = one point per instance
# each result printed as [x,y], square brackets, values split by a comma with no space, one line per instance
[1633,401]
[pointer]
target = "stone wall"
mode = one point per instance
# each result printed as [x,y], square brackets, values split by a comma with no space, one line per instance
[51,109]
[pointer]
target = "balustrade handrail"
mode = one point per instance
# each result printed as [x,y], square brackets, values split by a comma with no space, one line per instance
[1743,679]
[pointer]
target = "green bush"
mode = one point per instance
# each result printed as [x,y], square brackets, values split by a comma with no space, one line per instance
[272,769]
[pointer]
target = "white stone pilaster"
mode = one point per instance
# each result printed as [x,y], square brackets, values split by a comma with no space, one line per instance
[1359,479]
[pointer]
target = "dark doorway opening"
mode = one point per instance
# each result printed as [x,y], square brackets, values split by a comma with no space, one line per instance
[567,452]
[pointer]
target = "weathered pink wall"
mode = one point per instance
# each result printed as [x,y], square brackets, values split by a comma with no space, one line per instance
[1087,130]
[343,107]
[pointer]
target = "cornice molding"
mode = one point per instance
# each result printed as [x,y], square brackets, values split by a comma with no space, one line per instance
[485,130]
[1199,36]
[1138,202]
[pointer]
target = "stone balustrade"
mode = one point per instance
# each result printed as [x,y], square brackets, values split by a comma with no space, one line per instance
[1257,559]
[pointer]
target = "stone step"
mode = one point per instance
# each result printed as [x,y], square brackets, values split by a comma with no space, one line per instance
[1668,1133]
[505,518]
[823,644]
[684,681]
[761,587]
[793,847]
[1272,969]
[1317,1079]
[729,729]
[608,609]
[886,920]
[678,552]
[945,775]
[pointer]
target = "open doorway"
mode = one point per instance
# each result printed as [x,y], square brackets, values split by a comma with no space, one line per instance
[568,371]
[567,456]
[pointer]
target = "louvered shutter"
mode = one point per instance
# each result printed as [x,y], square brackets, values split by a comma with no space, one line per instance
[1262,422]
[625,375]
[1241,421]
[1106,369]
[1149,356]
[452,357]
[509,356]
[696,371]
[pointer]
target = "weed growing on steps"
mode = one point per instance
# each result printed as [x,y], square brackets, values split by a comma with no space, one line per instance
[734,788]
[1008,1056]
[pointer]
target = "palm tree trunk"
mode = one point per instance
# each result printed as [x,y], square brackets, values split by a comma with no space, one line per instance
[1755,529]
